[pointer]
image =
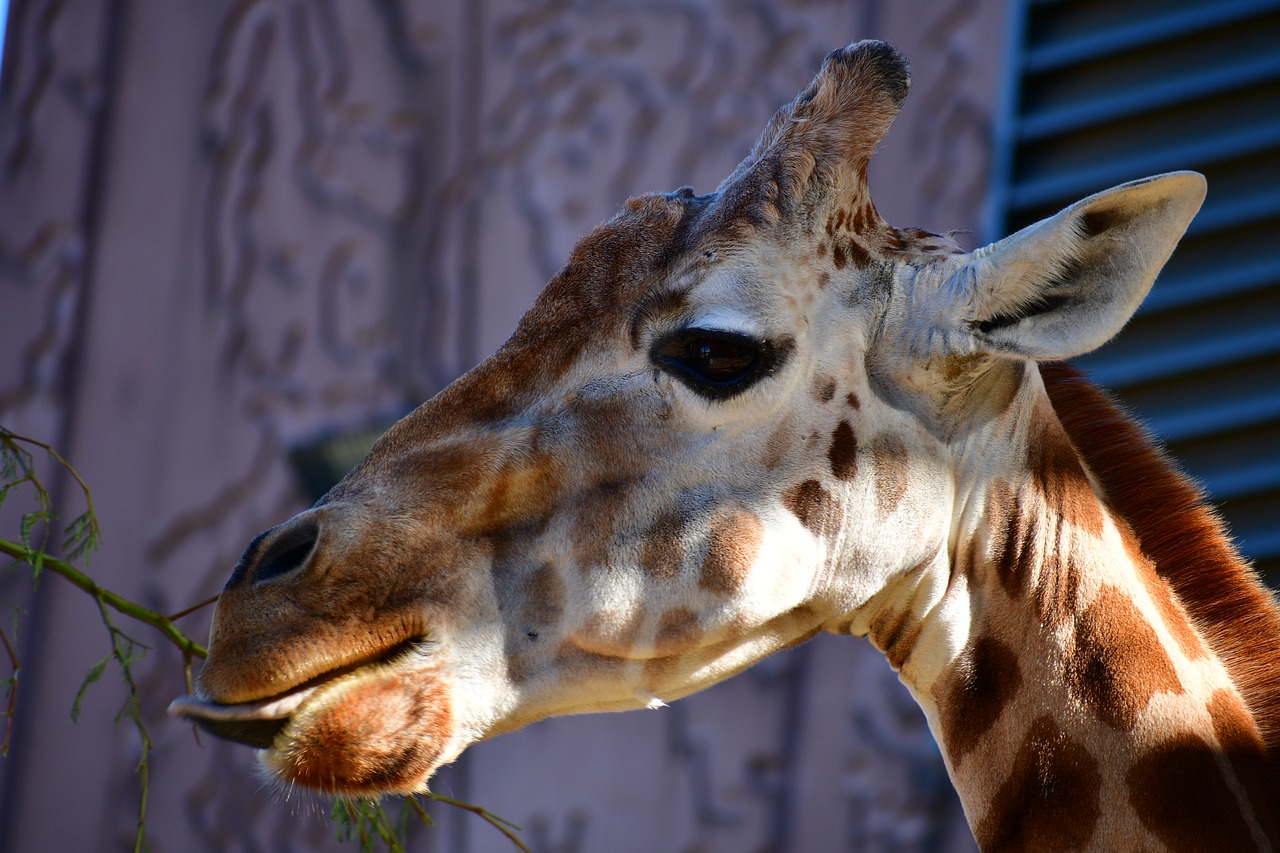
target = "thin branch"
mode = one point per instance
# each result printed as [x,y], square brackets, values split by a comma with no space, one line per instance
[13,693]
[88,496]
[193,608]
[422,813]
[498,823]
[94,535]
[129,608]
[382,825]
[122,646]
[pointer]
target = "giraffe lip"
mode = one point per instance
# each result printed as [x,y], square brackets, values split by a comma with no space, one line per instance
[254,724]
[257,722]
[275,708]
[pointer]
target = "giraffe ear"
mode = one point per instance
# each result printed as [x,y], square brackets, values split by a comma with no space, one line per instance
[1067,284]
[831,128]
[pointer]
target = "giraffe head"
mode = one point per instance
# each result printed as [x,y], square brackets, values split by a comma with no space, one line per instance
[731,421]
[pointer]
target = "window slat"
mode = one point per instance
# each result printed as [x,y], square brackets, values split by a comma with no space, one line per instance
[1124,102]
[1202,150]
[1140,33]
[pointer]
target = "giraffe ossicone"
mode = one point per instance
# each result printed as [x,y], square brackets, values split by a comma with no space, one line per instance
[735,420]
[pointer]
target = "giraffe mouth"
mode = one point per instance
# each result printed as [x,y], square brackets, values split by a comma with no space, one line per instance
[257,723]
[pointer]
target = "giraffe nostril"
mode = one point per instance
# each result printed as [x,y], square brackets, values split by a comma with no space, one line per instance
[280,550]
[288,550]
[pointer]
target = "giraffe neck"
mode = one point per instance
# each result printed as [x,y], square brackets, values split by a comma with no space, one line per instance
[1076,701]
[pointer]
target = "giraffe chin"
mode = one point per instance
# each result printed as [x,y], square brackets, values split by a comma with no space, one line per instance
[372,733]
[379,728]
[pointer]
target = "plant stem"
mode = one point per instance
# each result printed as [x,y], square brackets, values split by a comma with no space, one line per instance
[494,821]
[129,608]
[13,693]
[88,496]
[193,608]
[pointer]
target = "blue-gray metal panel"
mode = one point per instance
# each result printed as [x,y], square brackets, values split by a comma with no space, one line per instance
[1174,291]
[1125,102]
[1227,346]
[1181,18]
[1201,360]
[1098,174]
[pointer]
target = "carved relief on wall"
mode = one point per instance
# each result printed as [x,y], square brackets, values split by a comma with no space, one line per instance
[353,202]
[50,109]
[321,300]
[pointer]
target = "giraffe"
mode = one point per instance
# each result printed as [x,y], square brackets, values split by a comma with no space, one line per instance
[735,420]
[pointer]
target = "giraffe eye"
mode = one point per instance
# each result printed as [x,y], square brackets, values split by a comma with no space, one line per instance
[718,365]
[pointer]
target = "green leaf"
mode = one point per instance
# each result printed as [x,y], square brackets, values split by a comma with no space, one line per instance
[9,483]
[29,520]
[341,818]
[81,537]
[95,672]
[15,462]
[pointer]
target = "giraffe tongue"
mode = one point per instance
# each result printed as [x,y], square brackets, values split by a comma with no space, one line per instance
[275,708]
[253,723]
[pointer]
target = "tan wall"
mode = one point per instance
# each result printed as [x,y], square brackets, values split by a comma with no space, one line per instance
[228,227]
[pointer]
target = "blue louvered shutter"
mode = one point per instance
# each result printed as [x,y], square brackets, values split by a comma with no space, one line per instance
[1104,91]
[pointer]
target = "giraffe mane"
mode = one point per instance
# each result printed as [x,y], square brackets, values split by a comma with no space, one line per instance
[1182,534]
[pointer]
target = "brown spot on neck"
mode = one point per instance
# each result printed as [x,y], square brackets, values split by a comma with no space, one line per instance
[895,633]
[981,683]
[1057,473]
[1117,663]
[1241,742]
[1234,726]
[1179,793]
[857,253]
[1050,801]
[1032,559]
[862,217]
